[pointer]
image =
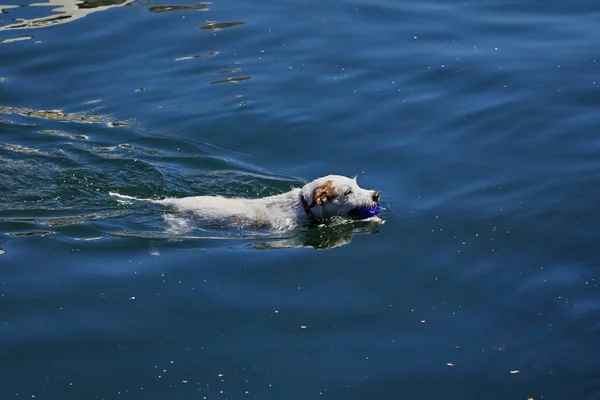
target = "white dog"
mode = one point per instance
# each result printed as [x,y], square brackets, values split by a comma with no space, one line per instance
[326,197]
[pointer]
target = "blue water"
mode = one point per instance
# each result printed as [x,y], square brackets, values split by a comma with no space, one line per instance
[477,122]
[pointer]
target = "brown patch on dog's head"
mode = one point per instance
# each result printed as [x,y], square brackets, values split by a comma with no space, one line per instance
[323,194]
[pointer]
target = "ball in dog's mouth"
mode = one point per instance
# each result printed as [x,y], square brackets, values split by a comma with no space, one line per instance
[365,212]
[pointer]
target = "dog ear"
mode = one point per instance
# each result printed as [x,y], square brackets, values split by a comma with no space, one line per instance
[323,194]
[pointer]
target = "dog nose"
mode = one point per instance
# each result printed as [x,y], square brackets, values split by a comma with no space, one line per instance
[375,197]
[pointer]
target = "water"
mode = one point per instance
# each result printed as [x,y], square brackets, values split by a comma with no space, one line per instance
[478,123]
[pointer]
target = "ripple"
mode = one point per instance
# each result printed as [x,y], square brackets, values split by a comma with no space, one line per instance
[24,150]
[103,149]
[16,39]
[211,54]
[6,7]
[59,115]
[65,220]
[30,233]
[322,237]
[63,134]
[202,6]
[91,239]
[230,71]
[217,26]
[232,80]
[138,148]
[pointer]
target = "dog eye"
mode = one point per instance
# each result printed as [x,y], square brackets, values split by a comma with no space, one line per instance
[347,192]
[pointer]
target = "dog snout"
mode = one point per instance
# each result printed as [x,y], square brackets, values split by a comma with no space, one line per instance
[375,196]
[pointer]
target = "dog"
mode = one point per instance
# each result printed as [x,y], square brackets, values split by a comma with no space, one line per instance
[321,199]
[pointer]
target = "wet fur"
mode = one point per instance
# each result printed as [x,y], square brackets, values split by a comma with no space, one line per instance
[333,195]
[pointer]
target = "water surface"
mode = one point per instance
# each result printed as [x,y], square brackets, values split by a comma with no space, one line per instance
[477,122]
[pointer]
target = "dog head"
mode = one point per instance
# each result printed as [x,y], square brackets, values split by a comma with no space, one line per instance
[336,195]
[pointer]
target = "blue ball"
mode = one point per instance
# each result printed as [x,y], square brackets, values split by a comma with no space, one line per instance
[365,212]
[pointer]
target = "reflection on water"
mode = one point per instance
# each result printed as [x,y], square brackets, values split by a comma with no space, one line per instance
[71,10]
[6,7]
[323,237]
[67,11]
[181,230]
[16,39]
